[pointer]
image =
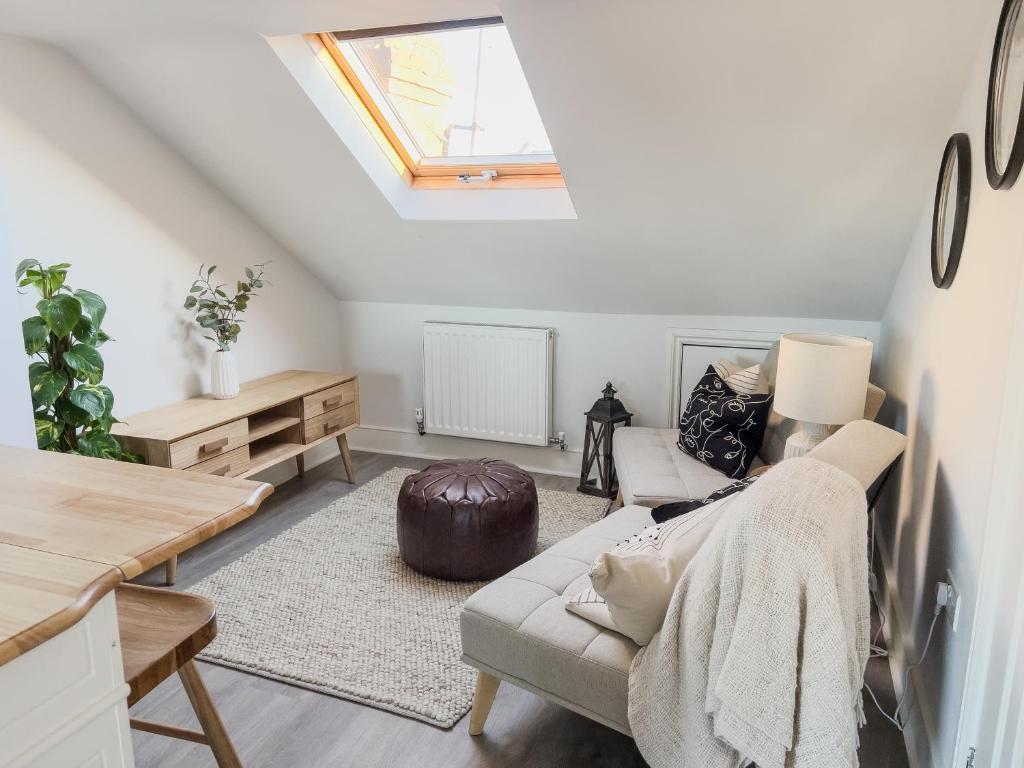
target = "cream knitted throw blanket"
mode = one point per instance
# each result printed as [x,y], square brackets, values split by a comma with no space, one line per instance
[761,657]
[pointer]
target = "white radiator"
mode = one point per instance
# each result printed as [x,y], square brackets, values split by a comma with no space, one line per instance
[492,382]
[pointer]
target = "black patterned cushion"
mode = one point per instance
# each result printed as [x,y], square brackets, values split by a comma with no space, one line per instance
[721,428]
[664,512]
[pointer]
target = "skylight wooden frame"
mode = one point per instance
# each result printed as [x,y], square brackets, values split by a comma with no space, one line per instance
[422,175]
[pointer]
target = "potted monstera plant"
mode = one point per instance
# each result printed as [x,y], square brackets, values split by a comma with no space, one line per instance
[219,315]
[74,410]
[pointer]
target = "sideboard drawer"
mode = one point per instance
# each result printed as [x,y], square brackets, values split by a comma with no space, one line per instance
[329,423]
[226,465]
[329,399]
[209,444]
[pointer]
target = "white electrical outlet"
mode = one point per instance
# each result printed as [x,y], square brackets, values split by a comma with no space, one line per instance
[953,603]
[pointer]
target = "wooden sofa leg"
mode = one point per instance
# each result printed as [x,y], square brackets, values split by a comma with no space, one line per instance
[618,500]
[486,688]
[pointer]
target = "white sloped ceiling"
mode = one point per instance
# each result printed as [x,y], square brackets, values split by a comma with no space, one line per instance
[737,157]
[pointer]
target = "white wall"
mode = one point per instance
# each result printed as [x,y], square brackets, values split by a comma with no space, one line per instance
[944,363]
[384,345]
[84,182]
[16,424]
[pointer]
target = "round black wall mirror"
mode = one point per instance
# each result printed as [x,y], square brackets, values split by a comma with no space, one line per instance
[1004,129]
[952,202]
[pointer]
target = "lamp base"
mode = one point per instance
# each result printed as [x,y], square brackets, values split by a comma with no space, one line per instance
[807,437]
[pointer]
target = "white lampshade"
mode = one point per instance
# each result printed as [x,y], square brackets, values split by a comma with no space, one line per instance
[822,378]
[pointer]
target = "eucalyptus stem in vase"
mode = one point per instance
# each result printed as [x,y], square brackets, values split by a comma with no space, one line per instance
[219,314]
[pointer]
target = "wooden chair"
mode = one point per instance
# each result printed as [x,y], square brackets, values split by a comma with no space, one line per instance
[161,632]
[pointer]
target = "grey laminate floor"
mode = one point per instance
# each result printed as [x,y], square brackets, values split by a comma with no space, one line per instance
[275,725]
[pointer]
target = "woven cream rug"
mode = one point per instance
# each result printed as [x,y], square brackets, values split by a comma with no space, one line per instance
[330,606]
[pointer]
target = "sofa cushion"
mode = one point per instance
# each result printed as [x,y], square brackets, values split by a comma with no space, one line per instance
[518,628]
[652,470]
[722,428]
[638,577]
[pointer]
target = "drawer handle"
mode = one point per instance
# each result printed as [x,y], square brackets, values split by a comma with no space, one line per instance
[329,427]
[333,402]
[222,471]
[214,445]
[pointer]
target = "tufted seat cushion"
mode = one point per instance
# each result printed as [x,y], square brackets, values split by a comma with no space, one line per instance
[653,471]
[517,627]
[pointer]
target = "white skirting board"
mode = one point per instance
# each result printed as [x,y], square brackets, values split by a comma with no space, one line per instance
[546,460]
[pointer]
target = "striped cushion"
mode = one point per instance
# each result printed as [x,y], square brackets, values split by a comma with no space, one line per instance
[742,381]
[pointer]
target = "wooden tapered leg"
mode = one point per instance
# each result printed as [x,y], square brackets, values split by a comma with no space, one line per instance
[171,571]
[618,500]
[300,464]
[346,457]
[486,689]
[223,749]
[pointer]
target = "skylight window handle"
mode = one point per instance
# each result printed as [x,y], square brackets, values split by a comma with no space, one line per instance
[465,178]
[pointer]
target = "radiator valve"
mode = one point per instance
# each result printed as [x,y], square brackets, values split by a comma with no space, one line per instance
[559,440]
[419,421]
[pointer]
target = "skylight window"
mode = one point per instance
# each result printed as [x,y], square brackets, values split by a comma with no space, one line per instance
[449,100]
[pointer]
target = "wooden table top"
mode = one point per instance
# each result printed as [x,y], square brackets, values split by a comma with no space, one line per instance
[72,528]
[186,418]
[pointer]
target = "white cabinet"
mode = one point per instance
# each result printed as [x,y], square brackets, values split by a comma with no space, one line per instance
[63,704]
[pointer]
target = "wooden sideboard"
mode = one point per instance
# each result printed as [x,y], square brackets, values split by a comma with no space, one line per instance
[273,419]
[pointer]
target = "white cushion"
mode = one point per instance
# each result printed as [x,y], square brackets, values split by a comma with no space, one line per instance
[652,470]
[637,578]
[592,607]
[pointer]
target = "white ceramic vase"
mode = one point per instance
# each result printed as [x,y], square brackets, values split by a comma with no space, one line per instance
[224,375]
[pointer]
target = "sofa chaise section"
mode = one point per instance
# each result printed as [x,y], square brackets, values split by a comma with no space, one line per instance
[517,628]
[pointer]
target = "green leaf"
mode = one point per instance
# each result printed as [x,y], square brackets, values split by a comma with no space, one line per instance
[95,400]
[190,301]
[101,338]
[71,414]
[61,314]
[196,287]
[86,362]
[84,330]
[35,332]
[210,271]
[25,266]
[48,432]
[93,306]
[99,444]
[249,273]
[47,384]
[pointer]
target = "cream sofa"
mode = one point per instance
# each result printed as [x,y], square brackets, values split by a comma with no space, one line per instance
[517,629]
[652,470]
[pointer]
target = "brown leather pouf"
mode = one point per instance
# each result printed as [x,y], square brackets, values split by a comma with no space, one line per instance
[467,519]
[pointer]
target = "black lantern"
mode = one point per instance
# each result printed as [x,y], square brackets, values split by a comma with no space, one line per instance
[597,444]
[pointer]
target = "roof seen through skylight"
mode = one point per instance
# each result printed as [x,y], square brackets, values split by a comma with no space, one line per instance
[452,93]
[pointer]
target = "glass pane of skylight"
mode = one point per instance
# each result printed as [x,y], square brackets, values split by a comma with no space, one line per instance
[457,93]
